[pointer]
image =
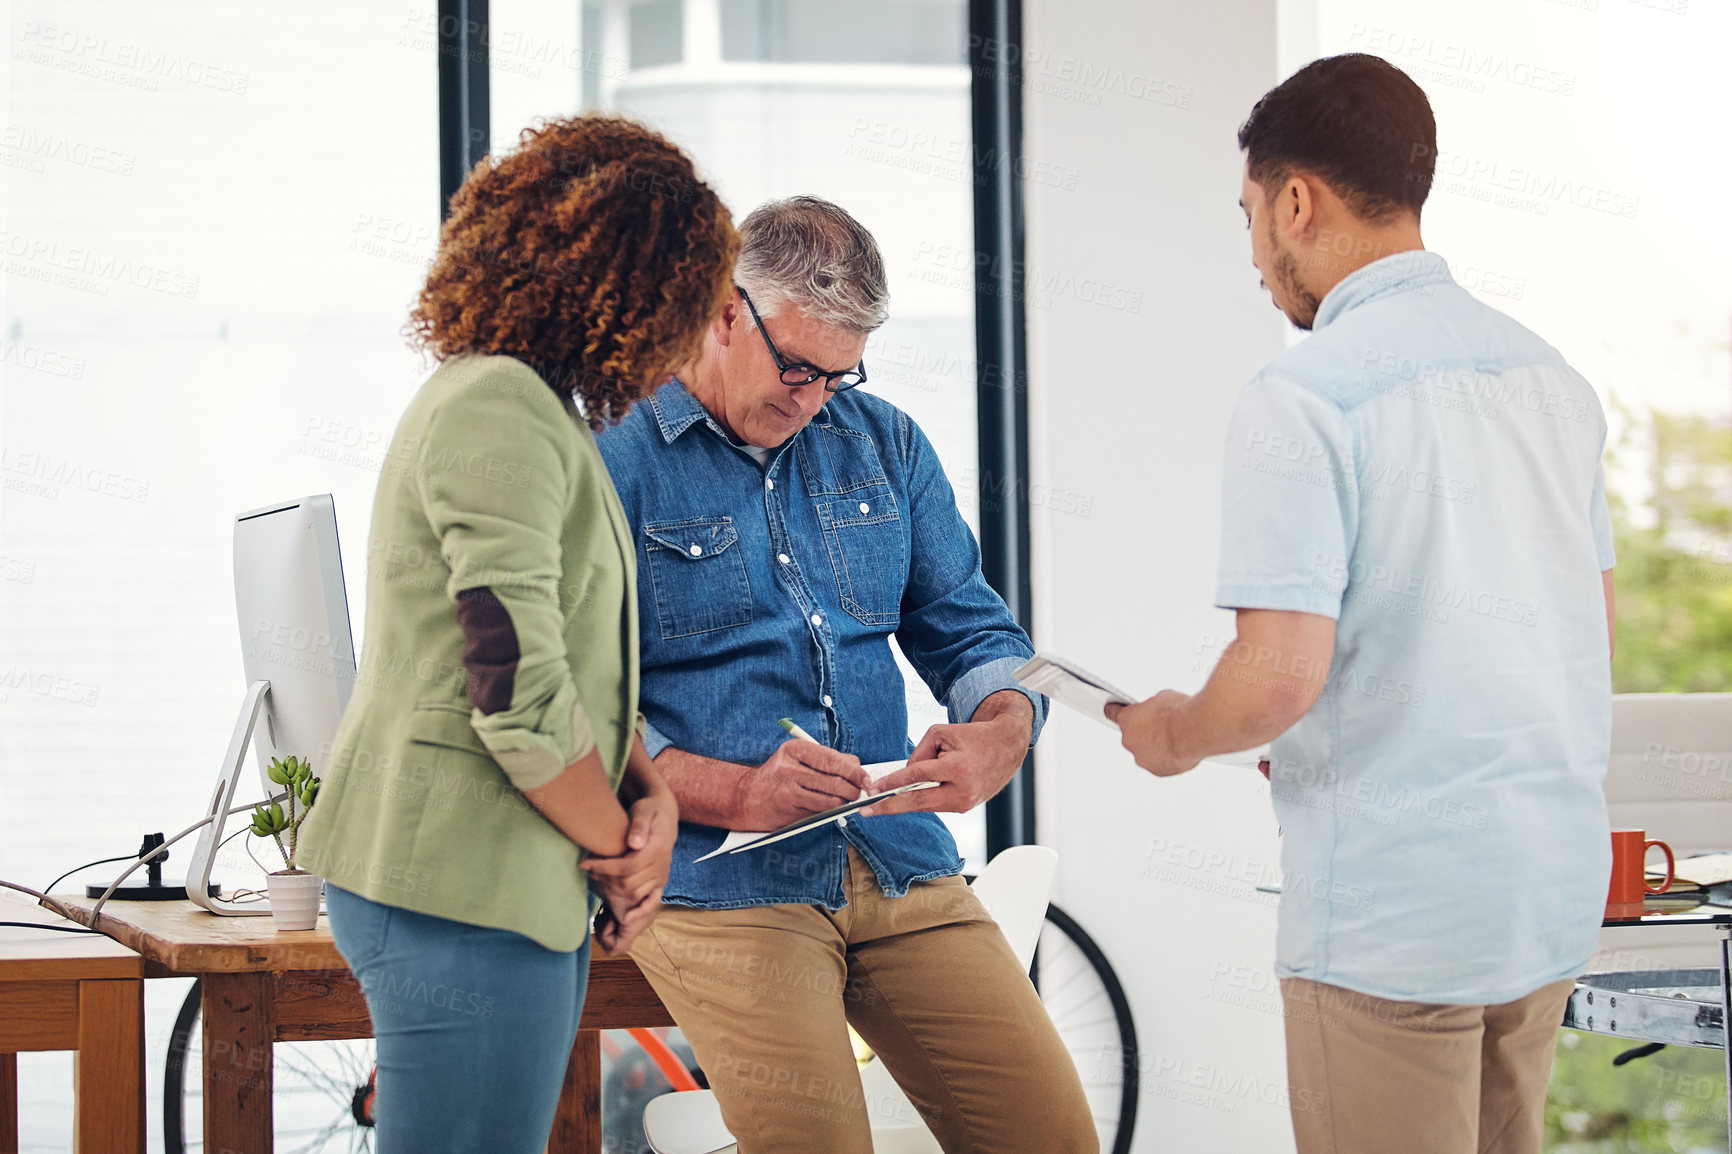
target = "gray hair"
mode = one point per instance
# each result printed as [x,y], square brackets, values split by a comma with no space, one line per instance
[807,252]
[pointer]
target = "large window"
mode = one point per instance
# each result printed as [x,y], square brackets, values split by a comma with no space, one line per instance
[213,227]
[1579,155]
[845,31]
[770,101]
[214,219]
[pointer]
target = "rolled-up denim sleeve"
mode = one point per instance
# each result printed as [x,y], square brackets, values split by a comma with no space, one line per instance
[495,480]
[983,681]
[654,740]
[956,631]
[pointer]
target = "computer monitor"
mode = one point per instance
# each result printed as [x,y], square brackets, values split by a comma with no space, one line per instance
[298,653]
[294,623]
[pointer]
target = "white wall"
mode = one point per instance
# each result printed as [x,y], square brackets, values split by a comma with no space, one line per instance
[1132,184]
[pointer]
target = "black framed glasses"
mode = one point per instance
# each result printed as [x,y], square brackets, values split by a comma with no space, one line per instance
[797,373]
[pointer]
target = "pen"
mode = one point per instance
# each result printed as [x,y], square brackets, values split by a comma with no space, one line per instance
[787,723]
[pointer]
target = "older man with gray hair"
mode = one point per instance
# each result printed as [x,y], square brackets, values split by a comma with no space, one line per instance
[787,526]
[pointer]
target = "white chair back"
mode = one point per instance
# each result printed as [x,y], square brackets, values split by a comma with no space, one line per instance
[1014,888]
[1671,768]
[689,1122]
[1670,774]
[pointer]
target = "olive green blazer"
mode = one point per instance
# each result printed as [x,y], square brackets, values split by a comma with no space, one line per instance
[492,481]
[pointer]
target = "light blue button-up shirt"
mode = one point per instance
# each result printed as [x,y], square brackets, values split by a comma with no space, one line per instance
[1427,472]
[771,589]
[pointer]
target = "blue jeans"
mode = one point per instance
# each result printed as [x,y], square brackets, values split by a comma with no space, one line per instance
[474,1027]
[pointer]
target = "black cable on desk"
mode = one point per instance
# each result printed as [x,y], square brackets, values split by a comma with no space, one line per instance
[49,888]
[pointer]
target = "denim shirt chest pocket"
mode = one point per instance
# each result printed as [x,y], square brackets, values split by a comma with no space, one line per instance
[861,521]
[698,575]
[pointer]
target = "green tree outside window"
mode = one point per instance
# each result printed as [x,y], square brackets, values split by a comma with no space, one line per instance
[1673,593]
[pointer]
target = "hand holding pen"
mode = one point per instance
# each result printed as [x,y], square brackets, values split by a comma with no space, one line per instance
[801,778]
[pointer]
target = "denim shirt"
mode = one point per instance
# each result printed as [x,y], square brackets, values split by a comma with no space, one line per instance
[770,591]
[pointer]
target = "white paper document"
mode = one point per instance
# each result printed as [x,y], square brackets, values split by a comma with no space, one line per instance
[1704,869]
[1089,695]
[1073,686]
[738,839]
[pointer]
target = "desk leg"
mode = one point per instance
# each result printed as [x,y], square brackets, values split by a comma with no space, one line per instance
[8,1104]
[239,1023]
[577,1124]
[108,1069]
[1726,1024]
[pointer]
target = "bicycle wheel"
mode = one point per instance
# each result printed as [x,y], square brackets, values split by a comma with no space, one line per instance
[321,1093]
[1088,1005]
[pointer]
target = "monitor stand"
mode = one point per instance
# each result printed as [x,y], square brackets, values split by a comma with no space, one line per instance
[156,888]
[198,885]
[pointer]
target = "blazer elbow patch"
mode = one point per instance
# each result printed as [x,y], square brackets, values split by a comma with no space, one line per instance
[490,650]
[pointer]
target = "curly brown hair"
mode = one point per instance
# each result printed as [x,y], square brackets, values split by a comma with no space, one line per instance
[592,253]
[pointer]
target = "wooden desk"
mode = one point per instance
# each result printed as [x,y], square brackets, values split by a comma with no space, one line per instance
[260,986]
[78,992]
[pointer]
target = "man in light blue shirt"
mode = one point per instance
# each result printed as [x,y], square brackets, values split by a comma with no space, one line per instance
[1416,542]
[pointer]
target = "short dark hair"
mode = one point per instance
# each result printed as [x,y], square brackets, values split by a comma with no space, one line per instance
[1356,121]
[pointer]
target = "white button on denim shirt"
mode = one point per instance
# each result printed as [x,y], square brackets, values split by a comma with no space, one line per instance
[762,600]
[1427,472]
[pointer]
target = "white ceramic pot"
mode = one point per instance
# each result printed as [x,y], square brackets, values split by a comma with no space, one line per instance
[295,900]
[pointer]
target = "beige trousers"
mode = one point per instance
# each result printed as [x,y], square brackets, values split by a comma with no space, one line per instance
[765,996]
[1371,1076]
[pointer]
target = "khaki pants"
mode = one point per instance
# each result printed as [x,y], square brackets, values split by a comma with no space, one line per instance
[765,996]
[1371,1076]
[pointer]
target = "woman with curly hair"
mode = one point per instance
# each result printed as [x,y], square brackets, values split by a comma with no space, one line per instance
[488,788]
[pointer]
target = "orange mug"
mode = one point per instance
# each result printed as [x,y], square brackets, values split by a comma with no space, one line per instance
[1629,873]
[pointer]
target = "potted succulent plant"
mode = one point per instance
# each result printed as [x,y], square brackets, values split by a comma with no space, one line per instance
[294,892]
